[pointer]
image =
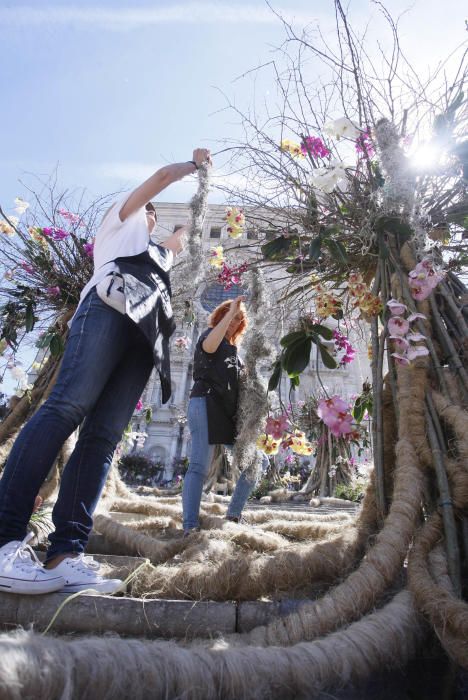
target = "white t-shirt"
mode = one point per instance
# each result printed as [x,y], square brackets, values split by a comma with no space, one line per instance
[116,239]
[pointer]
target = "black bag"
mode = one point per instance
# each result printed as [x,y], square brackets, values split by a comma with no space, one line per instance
[221,426]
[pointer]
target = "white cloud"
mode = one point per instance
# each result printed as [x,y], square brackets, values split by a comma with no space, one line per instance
[125,18]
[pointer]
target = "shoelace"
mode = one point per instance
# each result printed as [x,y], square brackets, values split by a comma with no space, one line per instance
[86,564]
[25,554]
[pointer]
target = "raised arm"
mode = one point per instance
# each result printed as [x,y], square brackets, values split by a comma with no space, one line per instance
[215,336]
[161,179]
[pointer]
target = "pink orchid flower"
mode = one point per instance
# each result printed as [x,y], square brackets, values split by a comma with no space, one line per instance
[89,249]
[419,289]
[400,359]
[277,426]
[415,316]
[396,307]
[398,326]
[401,344]
[336,416]
[415,337]
[417,351]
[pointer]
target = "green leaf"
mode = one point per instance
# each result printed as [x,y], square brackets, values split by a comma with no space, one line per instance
[56,345]
[276,376]
[394,224]
[294,381]
[296,356]
[279,248]
[337,250]
[338,315]
[30,318]
[149,415]
[44,342]
[315,248]
[358,410]
[292,337]
[325,332]
[327,359]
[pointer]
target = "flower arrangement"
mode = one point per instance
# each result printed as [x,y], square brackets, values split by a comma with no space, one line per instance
[314,146]
[294,149]
[231,275]
[49,262]
[336,415]
[423,279]
[326,303]
[279,433]
[343,347]
[216,258]
[235,222]
[401,334]
[369,304]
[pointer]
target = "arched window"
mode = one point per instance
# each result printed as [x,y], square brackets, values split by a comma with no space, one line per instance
[214,294]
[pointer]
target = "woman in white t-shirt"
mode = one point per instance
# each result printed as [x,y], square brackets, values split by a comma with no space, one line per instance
[106,365]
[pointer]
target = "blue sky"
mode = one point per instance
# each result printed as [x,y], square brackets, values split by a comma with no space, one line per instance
[110,90]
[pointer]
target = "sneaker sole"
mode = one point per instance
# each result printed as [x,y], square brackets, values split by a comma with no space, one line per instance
[23,587]
[101,588]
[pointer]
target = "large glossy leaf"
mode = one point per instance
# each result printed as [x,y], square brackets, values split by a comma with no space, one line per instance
[279,248]
[300,267]
[358,410]
[296,356]
[337,250]
[56,345]
[394,224]
[292,338]
[325,332]
[44,341]
[327,359]
[276,376]
[30,318]
[315,248]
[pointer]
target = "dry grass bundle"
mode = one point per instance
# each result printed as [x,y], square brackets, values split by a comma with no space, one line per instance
[435,598]
[136,543]
[116,669]
[145,506]
[457,419]
[249,539]
[152,524]
[249,576]
[264,516]
[154,491]
[380,568]
[303,530]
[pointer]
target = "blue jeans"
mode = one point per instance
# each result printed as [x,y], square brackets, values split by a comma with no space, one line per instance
[200,460]
[105,367]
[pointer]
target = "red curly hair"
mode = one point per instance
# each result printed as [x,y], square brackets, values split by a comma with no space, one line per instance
[221,311]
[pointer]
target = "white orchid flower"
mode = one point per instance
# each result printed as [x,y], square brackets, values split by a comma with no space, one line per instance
[341,128]
[21,206]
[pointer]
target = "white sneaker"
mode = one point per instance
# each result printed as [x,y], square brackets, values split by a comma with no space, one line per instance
[22,572]
[82,572]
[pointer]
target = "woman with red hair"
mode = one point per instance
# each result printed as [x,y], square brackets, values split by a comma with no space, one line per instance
[213,406]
